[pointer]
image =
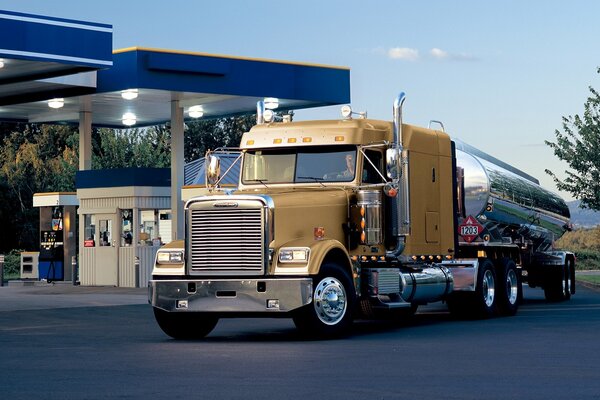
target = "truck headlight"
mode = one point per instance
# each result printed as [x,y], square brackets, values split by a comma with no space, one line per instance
[294,255]
[169,257]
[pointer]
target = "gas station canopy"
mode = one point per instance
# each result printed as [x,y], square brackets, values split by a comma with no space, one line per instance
[55,70]
[46,58]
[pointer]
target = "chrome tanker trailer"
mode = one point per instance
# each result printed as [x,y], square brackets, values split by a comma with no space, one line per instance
[335,218]
[514,211]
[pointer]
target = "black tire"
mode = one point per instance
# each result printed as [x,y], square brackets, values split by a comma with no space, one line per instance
[559,284]
[509,287]
[185,325]
[330,312]
[479,304]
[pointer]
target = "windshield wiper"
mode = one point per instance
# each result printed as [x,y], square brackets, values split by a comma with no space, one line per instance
[258,180]
[314,178]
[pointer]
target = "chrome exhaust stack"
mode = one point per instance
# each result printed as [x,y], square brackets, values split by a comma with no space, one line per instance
[397,171]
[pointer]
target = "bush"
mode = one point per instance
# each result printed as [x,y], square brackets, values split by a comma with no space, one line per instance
[587,259]
[12,264]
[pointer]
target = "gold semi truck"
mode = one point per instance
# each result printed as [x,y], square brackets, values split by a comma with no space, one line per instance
[334,220]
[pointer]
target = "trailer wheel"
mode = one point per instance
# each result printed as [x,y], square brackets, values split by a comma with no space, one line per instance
[509,287]
[333,299]
[185,325]
[558,286]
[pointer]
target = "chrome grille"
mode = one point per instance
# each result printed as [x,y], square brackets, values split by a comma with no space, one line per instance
[226,240]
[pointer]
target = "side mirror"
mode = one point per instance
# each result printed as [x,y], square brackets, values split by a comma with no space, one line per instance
[392,163]
[213,169]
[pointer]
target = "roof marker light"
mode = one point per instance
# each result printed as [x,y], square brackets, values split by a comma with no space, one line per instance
[196,111]
[129,94]
[129,119]
[56,103]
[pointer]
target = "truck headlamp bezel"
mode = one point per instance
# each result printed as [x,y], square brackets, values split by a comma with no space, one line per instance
[294,255]
[170,257]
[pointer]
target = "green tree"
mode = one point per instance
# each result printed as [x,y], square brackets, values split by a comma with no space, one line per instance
[145,147]
[38,158]
[579,146]
[204,135]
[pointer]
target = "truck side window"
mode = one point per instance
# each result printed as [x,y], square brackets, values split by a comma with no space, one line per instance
[369,174]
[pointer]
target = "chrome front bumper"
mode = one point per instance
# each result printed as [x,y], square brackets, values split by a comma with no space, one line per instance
[230,295]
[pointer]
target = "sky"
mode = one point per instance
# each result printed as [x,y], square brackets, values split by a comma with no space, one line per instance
[500,75]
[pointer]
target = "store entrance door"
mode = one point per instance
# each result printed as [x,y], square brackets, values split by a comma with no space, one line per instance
[107,258]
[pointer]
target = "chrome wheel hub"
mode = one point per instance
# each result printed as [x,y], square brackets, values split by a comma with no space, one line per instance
[512,286]
[489,290]
[330,301]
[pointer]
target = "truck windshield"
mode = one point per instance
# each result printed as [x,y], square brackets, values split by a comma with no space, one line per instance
[300,165]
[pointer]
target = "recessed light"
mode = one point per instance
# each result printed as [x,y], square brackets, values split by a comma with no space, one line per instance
[56,103]
[196,111]
[129,119]
[129,94]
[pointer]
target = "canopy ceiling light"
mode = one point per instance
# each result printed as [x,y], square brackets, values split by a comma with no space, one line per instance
[56,103]
[129,94]
[196,111]
[129,119]
[1,63]
[271,103]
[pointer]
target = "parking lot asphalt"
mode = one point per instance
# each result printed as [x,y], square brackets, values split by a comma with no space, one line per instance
[64,295]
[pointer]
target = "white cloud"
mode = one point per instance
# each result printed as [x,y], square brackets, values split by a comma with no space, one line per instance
[403,53]
[443,55]
[438,53]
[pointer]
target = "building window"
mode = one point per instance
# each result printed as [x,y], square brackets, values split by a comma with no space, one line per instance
[105,232]
[149,235]
[89,230]
[126,227]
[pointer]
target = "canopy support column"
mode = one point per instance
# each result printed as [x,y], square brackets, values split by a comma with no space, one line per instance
[177,162]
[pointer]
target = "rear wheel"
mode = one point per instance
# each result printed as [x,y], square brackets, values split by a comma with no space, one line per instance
[485,294]
[185,325]
[479,304]
[333,299]
[509,287]
[558,286]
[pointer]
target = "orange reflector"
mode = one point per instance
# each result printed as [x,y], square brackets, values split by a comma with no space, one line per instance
[276,141]
[307,139]
[362,211]
[364,258]
[363,237]
[292,140]
[382,258]
[373,258]
[339,138]
[249,142]
[354,258]
[362,223]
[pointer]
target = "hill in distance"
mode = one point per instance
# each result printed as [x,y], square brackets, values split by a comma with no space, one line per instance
[583,218]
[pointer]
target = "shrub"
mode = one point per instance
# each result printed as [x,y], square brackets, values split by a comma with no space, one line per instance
[12,263]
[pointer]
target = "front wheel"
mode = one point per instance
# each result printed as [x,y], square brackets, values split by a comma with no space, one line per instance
[185,325]
[333,299]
